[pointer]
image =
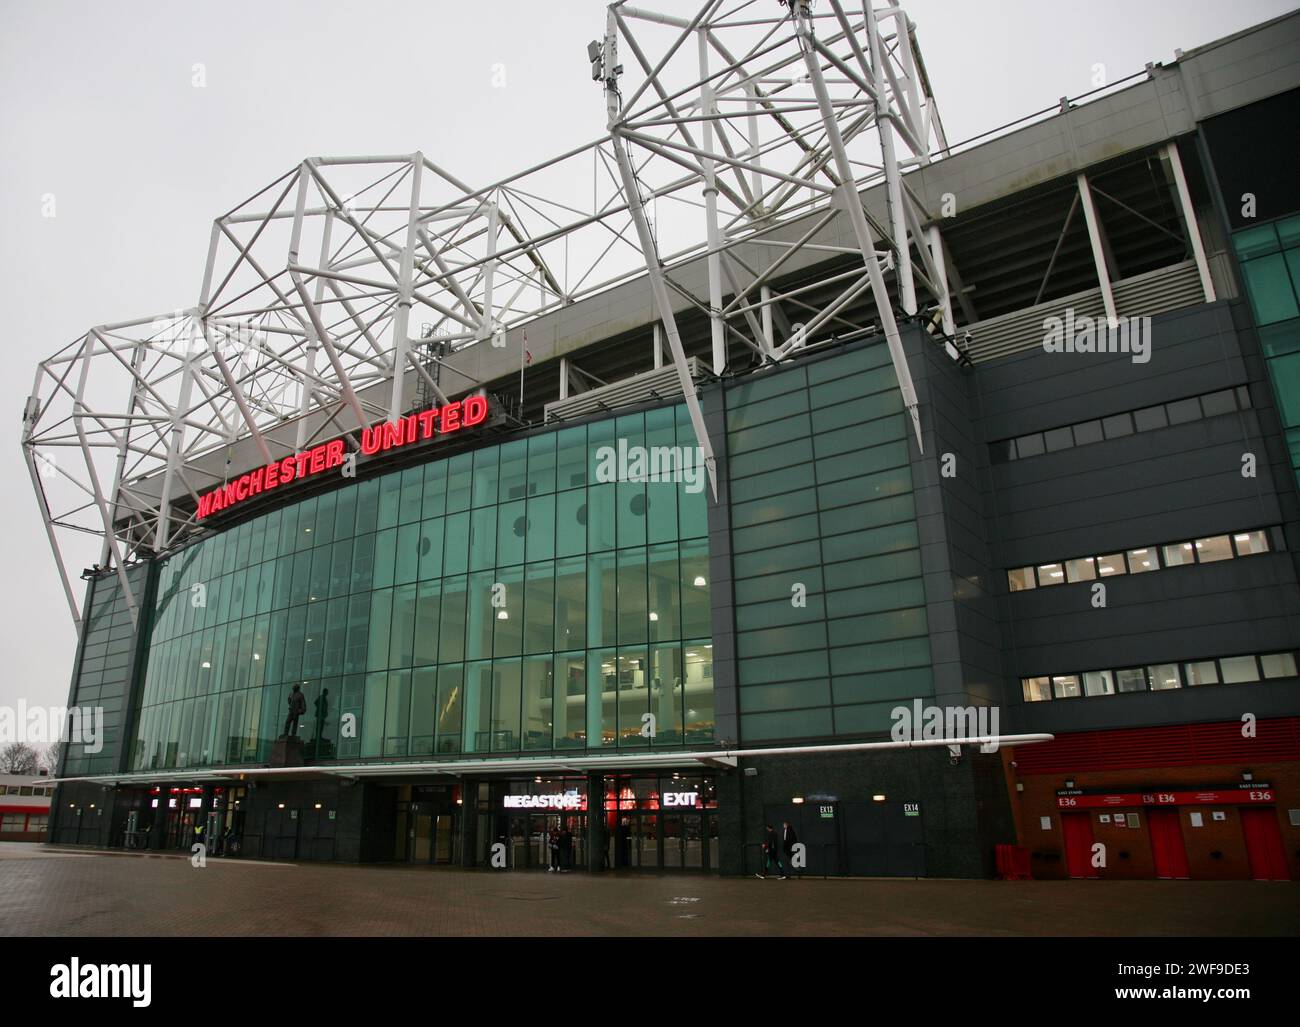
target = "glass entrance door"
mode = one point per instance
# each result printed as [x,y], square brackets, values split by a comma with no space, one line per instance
[645,841]
[430,835]
[530,840]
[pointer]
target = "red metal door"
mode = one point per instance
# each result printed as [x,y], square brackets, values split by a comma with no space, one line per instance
[1077,828]
[1167,846]
[1264,845]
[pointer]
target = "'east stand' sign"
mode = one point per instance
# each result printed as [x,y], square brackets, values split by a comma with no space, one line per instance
[444,420]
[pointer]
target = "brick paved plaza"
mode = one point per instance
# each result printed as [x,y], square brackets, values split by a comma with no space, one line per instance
[59,893]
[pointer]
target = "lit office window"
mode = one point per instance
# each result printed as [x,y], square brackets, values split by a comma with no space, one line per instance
[1250,542]
[1178,554]
[1066,686]
[1036,689]
[1098,682]
[1110,565]
[1278,665]
[1142,560]
[1020,579]
[1082,569]
[1239,668]
[1164,676]
[1133,679]
[1050,574]
[1213,549]
[1201,672]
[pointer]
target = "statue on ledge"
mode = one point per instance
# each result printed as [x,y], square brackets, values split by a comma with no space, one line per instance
[297,707]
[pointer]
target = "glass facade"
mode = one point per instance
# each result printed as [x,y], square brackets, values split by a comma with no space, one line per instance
[102,680]
[831,626]
[1269,256]
[499,601]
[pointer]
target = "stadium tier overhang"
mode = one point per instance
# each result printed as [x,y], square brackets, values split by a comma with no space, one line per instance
[770,178]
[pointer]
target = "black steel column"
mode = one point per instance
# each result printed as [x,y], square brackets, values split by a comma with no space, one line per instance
[596,843]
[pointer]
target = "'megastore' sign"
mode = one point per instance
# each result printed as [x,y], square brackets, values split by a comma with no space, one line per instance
[444,420]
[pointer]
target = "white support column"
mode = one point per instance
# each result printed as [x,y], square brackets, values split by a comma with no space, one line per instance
[487,321]
[709,109]
[893,186]
[402,316]
[765,297]
[1189,221]
[1098,250]
[564,377]
[650,253]
[756,182]
[852,203]
[941,269]
[174,444]
[657,345]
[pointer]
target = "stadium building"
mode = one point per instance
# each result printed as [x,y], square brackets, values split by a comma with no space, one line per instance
[769,459]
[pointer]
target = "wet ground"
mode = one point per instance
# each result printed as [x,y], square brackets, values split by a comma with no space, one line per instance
[62,893]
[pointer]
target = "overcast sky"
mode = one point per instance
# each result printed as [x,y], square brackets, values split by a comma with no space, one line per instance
[98,108]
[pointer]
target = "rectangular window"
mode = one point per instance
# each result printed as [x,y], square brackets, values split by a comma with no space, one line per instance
[1003,451]
[1098,682]
[1215,403]
[1142,560]
[1278,665]
[1029,445]
[1133,679]
[1036,689]
[1020,579]
[1087,433]
[1117,426]
[1250,542]
[1164,676]
[1213,549]
[1183,410]
[1082,569]
[1150,418]
[1050,574]
[1058,439]
[1178,554]
[1237,669]
[1201,672]
[1110,565]
[1065,686]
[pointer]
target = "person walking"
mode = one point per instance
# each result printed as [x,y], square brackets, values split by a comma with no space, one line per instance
[771,852]
[788,841]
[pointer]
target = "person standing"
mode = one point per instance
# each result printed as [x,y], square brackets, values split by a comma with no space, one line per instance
[566,848]
[554,840]
[788,841]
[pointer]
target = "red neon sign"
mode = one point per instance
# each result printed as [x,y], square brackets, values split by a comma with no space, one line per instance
[462,413]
